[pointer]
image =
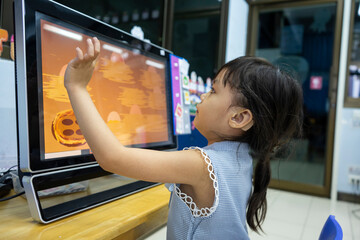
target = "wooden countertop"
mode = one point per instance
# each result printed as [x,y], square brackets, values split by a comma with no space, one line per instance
[127,218]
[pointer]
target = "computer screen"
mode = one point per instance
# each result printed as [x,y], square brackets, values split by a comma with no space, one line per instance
[128,88]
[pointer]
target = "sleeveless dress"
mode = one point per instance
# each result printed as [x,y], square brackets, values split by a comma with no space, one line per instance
[230,168]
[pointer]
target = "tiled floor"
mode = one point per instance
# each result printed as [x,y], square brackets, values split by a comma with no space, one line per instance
[293,216]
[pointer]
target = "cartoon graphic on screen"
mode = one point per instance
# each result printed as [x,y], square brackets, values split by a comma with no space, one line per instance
[127,87]
[53,86]
[151,80]
[66,129]
[115,69]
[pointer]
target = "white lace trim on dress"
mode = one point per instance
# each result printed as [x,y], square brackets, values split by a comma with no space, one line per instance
[206,211]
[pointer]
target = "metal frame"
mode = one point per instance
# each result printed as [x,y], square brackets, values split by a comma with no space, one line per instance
[1,11]
[349,101]
[168,23]
[254,8]
[21,91]
[223,12]
[258,2]
[224,15]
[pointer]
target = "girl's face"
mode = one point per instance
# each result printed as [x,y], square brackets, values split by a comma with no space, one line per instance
[214,110]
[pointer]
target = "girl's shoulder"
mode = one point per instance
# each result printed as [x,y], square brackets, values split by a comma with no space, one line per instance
[227,146]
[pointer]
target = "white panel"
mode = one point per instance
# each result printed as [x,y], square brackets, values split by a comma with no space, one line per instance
[337,160]
[8,139]
[237,29]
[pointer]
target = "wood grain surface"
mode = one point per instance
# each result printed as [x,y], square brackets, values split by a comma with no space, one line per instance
[128,218]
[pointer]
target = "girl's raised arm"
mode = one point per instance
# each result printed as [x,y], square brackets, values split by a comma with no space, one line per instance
[186,167]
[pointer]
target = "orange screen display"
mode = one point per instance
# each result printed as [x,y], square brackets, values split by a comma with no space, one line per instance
[128,89]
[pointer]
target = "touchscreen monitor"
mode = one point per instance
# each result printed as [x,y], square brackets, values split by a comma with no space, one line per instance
[130,87]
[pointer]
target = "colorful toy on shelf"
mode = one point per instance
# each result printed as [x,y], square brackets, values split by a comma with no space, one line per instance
[4,36]
[208,85]
[197,86]
[193,82]
[200,85]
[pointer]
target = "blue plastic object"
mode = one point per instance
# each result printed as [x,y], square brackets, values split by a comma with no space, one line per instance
[331,230]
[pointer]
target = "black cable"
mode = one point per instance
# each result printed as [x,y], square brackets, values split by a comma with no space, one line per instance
[3,173]
[356,194]
[11,197]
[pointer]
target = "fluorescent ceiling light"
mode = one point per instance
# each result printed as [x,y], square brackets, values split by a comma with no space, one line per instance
[111,48]
[63,32]
[154,64]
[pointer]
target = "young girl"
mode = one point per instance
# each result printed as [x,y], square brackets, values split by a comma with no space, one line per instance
[252,109]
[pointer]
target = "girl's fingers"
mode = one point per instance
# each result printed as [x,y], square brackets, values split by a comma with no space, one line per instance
[97,46]
[79,54]
[90,51]
[93,50]
[79,57]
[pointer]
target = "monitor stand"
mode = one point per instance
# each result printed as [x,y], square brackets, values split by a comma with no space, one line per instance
[58,194]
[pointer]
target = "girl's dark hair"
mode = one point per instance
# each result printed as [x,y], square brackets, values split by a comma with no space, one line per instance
[276,101]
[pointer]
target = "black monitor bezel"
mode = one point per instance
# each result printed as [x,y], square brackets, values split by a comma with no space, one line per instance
[34,8]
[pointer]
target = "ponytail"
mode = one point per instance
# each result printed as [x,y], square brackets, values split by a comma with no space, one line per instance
[257,205]
[275,101]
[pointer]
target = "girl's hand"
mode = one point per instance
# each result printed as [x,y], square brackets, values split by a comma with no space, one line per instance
[80,69]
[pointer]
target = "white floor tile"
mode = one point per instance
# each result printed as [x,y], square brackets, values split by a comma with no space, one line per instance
[272,195]
[290,207]
[281,228]
[318,213]
[345,237]
[267,237]
[355,220]
[320,210]
[342,215]
[311,233]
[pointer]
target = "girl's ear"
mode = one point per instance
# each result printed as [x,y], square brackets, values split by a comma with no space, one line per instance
[242,119]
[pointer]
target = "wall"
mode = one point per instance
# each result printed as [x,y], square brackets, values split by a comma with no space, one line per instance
[349,148]
[8,139]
